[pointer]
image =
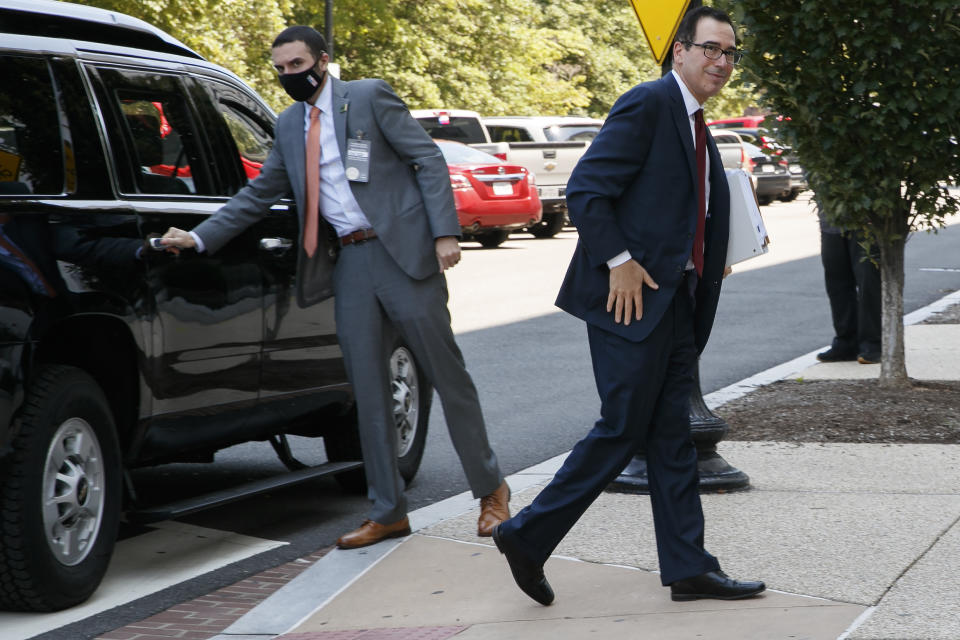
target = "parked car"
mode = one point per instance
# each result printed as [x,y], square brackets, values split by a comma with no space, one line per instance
[115,356]
[731,147]
[554,168]
[769,173]
[493,198]
[551,161]
[767,141]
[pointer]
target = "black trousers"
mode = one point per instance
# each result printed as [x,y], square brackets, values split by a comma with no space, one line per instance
[853,287]
[644,391]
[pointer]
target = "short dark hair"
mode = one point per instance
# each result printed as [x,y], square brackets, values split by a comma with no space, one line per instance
[307,35]
[687,30]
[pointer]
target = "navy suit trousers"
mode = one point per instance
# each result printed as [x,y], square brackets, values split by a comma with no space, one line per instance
[645,391]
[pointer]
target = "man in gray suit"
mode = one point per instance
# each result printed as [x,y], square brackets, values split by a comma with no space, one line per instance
[385,189]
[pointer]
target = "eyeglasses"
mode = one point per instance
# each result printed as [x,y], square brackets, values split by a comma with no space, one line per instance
[713,52]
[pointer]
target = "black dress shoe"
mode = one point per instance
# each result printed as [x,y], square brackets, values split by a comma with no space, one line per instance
[528,575]
[869,358]
[715,585]
[836,355]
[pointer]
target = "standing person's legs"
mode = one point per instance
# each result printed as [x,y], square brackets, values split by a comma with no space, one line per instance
[869,297]
[417,309]
[841,288]
[360,331]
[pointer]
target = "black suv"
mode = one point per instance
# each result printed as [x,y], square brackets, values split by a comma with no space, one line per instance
[114,355]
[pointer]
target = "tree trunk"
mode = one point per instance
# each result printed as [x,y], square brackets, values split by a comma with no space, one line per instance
[893,366]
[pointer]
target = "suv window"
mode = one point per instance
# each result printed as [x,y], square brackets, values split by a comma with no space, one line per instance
[253,142]
[247,138]
[31,140]
[501,133]
[154,140]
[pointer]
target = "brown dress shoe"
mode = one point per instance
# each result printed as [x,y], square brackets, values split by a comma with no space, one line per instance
[494,509]
[371,532]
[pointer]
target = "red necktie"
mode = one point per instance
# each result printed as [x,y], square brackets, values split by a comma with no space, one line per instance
[312,212]
[701,131]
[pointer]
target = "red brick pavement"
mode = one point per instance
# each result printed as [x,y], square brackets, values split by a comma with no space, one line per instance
[207,616]
[408,633]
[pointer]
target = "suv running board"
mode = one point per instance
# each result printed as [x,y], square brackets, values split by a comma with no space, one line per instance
[217,498]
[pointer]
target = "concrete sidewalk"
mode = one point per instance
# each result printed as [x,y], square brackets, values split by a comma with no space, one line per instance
[854,541]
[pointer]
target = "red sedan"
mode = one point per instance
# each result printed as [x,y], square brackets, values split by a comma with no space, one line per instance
[493,198]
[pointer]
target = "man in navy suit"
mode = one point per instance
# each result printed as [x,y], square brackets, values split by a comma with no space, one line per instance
[652,215]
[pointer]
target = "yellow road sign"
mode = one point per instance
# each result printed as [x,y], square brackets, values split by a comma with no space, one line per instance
[659,20]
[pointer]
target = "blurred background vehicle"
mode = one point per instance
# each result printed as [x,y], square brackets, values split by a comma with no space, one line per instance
[493,197]
[770,174]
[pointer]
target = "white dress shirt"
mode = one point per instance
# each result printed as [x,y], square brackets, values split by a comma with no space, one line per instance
[692,106]
[337,204]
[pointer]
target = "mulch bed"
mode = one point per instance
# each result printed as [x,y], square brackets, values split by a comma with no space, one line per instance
[850,410]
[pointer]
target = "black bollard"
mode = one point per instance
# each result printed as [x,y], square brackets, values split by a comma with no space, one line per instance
[706,430]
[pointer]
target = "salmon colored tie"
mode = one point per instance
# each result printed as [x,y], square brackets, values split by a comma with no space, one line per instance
[312,212]
[701,131]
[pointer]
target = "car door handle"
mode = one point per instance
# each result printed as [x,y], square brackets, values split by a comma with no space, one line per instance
[275,245]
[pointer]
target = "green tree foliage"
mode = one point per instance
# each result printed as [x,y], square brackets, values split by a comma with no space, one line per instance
[233,33]
[523,57]
[872,89]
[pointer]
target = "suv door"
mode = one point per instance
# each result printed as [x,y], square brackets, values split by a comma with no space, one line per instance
[204,348]
[300,351]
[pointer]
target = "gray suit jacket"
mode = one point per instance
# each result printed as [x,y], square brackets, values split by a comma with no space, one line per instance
[407,199]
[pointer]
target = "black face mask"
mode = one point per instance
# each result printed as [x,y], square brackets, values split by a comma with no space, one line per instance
[301,86]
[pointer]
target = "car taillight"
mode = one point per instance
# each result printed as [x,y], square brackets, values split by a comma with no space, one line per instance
[748,163]
[502,156]
[460,183]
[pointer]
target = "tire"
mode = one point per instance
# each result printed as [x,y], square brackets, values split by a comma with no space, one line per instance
[790,196]
[549,226]
[412,395]
[764,200]
[492,239]
[66,457]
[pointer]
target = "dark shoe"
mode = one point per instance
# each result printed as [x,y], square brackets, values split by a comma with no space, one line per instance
[528,576]
[494,509]
[868,358]
[835,355]
[371,532]
[715,585]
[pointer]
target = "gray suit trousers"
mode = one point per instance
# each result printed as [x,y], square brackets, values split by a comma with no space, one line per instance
[374,297]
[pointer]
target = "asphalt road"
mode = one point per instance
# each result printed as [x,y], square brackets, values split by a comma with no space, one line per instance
[531,365]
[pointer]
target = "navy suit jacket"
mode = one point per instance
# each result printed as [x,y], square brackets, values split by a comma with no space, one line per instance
[635,190]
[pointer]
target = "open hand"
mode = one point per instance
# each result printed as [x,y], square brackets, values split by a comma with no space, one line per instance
[626,291]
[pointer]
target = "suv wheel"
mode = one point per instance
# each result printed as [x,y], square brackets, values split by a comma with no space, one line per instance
[60,504]
[412,395]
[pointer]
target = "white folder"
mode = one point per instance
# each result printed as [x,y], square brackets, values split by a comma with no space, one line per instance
[748,236]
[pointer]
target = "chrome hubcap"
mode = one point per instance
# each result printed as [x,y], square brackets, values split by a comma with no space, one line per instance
[406,398]
[73,491]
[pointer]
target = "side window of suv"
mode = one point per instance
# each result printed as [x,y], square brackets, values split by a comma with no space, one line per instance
[35,154]
[248,137]
[152,135]
[252,140]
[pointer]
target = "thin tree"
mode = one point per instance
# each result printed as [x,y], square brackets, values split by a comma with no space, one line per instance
[871,89]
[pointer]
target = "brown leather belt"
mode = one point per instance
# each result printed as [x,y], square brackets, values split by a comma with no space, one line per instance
[358,236]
